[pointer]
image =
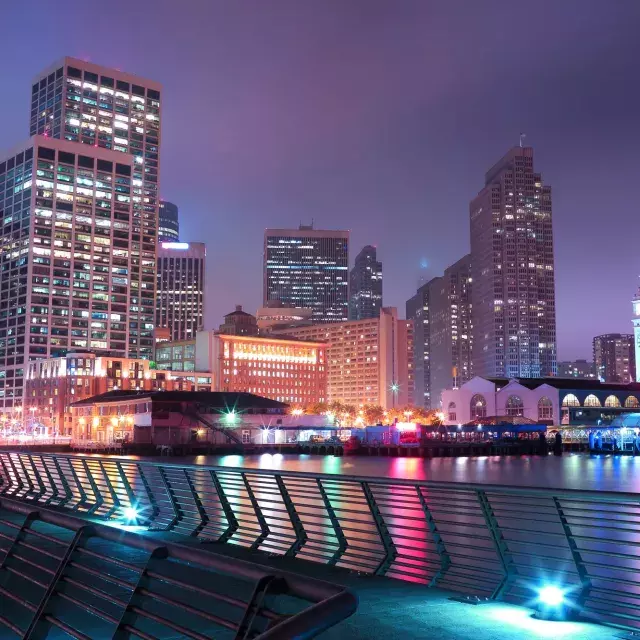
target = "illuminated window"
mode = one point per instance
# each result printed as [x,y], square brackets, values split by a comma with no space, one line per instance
[545,409]
[515,406]
[612,401]
[632,401]
[592,401]
[478,407]
[570,400]
[452,411]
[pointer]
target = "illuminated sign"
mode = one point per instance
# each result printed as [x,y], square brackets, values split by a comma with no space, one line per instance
[175,245]
[406,426]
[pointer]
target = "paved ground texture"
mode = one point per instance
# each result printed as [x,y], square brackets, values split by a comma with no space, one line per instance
[392,609]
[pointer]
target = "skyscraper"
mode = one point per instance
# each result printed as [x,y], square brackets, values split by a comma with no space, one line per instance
[66,257]
[168,222]
[514,319]
[365,286]
[105,108]
[308,268]
[614,357]
[441,313]
[636,332]
[180,290]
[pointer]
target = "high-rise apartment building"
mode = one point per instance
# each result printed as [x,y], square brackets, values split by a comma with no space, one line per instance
[614,357]
[514,319]
[441,313]
[636,332]
[180,289]
[78,205]
[168,222]
[368,361]
[365,286]
[104,108]
[308,268]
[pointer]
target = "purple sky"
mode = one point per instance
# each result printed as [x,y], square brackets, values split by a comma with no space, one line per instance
[380,117]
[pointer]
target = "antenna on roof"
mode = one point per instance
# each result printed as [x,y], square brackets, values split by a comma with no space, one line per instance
[522,137]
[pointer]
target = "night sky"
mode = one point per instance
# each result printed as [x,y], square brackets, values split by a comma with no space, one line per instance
[377,116]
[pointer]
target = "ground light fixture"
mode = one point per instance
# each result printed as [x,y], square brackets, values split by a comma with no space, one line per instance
[552,604]
[130,514]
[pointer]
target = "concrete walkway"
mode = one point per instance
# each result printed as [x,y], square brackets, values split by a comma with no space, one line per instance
[392,609]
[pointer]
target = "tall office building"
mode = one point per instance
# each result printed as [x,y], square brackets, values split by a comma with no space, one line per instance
[514,319]
[614,357]
[441,313]
[365,286]
[168,222]
[180,289]
[636,332]
[105,108]
[368,361]
[67,253]
[308,268]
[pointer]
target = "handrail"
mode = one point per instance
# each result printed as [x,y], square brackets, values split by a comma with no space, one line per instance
[161,578]
[487,540]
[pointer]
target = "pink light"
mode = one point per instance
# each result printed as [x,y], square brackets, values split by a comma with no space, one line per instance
[406,426]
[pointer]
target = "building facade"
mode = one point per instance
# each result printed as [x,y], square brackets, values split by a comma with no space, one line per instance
[168,222]
[52,385]
[180,288]
[368,361]
[179,355]
[104,108]
[636,332]
[576,369]
[614,357]
[74,273]
[365,286]
[551,400]
[441,313]
[308,268]
[286,370]
[512,262]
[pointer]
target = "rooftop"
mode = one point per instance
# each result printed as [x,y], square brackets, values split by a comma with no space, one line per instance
[569,383]
[213,399]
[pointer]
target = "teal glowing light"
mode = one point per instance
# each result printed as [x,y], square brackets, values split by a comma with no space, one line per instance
[231,417]
[551,596]
[130,514]
[395,387]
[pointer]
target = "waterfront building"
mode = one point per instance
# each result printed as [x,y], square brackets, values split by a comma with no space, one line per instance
[636,333]
[365,286]
[441,313]
[276,318]
[180,288]
[52,385]
[308,268]
[550,400]
[172,418]
[614,357]
[178,355]
[239,323]
[512,263]
[168,222]
[280,368]
[368,361]
[576,369]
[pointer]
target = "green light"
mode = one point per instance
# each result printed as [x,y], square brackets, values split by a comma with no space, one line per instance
[231,416]
[395,387]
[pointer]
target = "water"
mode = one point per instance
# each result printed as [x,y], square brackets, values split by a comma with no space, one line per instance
[571,471]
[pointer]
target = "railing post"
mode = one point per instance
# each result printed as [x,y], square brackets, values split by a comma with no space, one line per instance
[499,544]
[296,523]
[94,487]
[265,584]
[63,481]
[35,475]
[177,512]
[150,495]
[335,523]
[445,558]
[390,551]
[264,527]
[114,495]
[585,580]
[226,507]
[19,537]
[202,512]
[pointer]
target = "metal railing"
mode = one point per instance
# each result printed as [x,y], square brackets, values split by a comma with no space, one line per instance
[494,541]
[65,574]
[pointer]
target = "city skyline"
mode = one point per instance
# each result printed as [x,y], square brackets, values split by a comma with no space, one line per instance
[245,184]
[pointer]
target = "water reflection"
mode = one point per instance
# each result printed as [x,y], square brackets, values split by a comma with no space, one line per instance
[571,471]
